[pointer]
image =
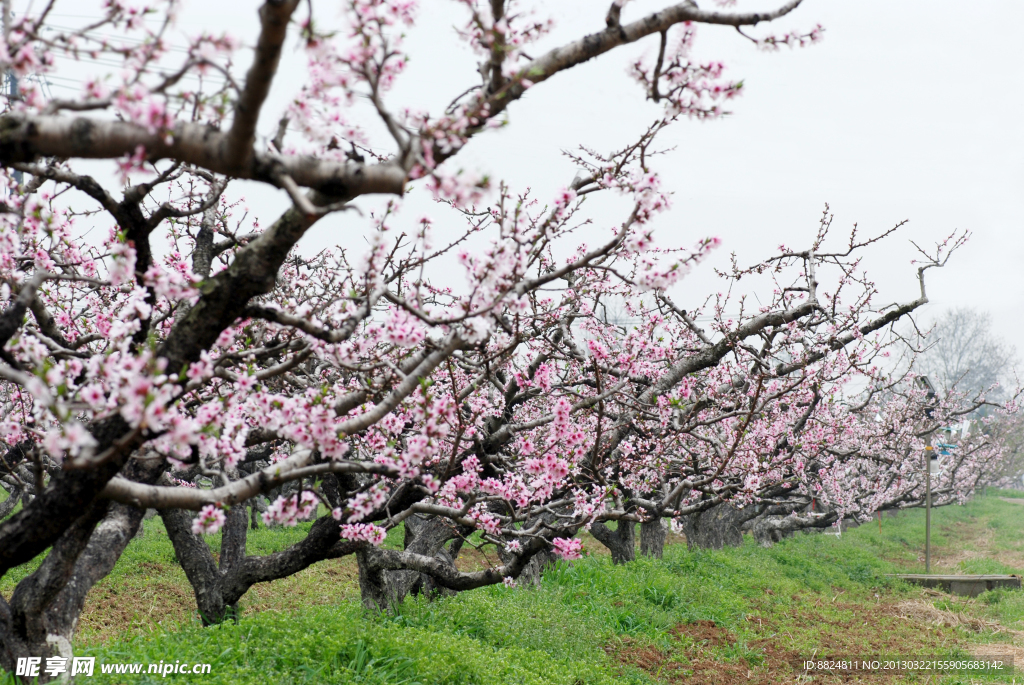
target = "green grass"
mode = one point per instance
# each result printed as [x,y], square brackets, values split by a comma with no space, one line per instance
[588,622]
[554,634]
[339,644]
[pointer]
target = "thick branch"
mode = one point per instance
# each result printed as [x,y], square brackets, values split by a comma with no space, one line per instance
[274,17]
[27,137]
[444,574]
[322,542]
[70,492]
[157,497]
[12,317]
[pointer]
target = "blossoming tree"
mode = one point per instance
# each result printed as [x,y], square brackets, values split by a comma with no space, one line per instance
[191,359]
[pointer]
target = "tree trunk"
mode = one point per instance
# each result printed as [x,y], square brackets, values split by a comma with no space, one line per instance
[254,514]
[233,537]
[767,530]
[539,559]
[455,548]
[772,528]
[218,588]
[386,589]
[45,607]
[200,568]
[652,538]
[106,546]
[379,591]
[372,583]
[23,629]
[428,586]
[621,542]
[533,573]
[323,542]
[717,527]
[8,505]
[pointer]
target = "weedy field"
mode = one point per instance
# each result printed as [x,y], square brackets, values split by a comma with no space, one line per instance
[732,616]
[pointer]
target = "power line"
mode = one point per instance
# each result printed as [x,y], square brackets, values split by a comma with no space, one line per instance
[104,37]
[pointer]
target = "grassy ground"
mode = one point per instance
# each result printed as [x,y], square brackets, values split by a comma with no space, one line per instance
[732,616]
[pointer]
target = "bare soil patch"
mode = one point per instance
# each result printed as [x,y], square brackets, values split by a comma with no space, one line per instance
[110,611]
[983,542]
[698,658]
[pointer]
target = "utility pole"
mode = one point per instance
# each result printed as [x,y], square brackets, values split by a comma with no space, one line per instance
[928,507]
[928,412]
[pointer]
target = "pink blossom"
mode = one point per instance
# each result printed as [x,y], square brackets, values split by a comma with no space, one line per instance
[365,532]
[567,548]
[210,519]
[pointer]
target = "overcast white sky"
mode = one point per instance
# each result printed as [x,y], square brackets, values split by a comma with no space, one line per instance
[907,110]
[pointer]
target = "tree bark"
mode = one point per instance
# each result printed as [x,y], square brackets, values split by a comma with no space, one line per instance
[621,542]
[108,542]
[46,606]
[8,505]
[378,591]
[717,527]
[384,589]
[233,537]
[767,531]
[533,571]
[652,538]
[106,545]
[218,589]
[373,583]
[69,493]
[26,632]
[254,514]
[322,543]
[198,563]
[537,560]
[771,528]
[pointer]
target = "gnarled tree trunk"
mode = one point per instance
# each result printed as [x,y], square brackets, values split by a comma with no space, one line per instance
[771,528]
[42,617]
[717,527]
[198,563]
[8,505]
[26,630]
[533,570]
[218,589]
[652,538]
[385,589]
[621,542]
[767,530]
[379,589]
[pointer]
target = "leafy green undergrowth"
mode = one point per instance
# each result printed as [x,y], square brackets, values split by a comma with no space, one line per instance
[339,644]
[569,630]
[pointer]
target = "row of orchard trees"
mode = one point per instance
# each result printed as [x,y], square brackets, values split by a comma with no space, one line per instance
[199,378]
